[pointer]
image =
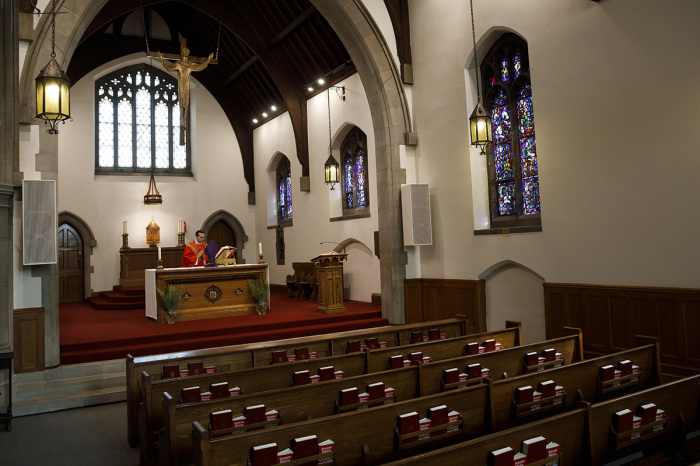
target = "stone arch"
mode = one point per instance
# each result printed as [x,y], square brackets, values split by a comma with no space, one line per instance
[89,243]
[358,269]
[234,224]
[515,292]
[380,77]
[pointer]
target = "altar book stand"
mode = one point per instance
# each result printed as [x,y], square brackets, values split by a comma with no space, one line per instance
[330,282]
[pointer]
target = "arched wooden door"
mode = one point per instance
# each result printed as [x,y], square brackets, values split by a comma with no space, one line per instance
[70,264]
[223,235]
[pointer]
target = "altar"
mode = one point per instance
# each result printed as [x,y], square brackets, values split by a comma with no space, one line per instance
[205,292]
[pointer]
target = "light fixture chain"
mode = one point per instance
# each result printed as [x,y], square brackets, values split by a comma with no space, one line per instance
[53,29]
[330,138]
[476,61]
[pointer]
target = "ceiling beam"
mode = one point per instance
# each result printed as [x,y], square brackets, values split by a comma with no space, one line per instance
[292,26]
[242,69]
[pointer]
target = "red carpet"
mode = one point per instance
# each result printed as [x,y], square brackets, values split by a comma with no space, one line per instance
[90,335]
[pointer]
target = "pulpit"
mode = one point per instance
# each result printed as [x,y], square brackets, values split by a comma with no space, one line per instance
[330,282]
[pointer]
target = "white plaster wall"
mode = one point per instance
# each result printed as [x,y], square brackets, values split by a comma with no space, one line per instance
[105,201]
[312,210]
[618,185]
[380,15]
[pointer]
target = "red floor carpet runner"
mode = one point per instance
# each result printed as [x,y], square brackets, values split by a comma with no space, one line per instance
[88,334]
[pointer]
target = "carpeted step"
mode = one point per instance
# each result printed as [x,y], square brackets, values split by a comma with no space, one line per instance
[130,290]
[149,347]
[117,297]
[101,303]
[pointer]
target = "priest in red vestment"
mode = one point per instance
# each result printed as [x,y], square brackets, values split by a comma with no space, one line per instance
[194,255]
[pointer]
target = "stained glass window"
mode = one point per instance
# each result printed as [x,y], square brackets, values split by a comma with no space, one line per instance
[284,191]
[137,124]
[512,158]
[355,183]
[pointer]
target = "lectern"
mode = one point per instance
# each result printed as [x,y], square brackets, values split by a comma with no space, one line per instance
[330,282]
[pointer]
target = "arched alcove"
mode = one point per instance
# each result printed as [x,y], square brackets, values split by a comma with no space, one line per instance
[89,243]
[514,292]
[235,225]
[359,271]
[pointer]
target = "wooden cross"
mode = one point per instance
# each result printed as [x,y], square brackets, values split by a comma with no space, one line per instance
[184,64]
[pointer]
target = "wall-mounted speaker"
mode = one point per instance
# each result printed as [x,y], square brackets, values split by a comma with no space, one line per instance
[39,229]
[415,206]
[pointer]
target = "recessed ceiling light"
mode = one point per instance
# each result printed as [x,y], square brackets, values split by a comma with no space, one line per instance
[310,89]
[265,114]
[273,108]
[321,81]
[255,120]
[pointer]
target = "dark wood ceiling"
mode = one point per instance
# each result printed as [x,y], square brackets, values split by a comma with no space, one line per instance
[269,51]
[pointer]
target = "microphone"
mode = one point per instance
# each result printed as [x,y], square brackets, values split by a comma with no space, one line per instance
[333,242]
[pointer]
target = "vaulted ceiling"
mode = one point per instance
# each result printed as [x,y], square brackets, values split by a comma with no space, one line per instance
[269,52]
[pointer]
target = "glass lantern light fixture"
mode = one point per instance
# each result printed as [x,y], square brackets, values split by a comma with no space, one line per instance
[480,125]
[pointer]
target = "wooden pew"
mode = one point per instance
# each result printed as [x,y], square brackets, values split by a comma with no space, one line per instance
[506,361]
[254,380]
[378,359]
[565,429]
[367,436]
[240,357]
[294,404]
[680,401]
[580,382]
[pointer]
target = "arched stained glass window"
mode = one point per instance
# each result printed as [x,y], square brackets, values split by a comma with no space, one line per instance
[355,179]
[138,123]
[512,158]
[284,192]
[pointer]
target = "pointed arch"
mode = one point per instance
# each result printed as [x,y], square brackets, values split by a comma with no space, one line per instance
[229,219]
[89,243]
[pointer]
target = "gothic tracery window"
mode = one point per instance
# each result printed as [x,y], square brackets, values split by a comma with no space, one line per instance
[514,197]
[138,123]
[284,192]
[355,183]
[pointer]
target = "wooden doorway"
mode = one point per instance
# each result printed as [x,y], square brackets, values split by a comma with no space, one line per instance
[223,235]
[70,265]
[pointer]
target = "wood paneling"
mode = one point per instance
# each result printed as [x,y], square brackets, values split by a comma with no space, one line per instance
[29,339]
[433,299]
[134,262]
[611,316]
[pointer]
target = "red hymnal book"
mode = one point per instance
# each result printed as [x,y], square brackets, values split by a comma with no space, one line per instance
[552,449]
[304,447]
[520,459]
[301,353]
[443,336]
[396,361]
[607,373]
[375,391]
[625,367]
[239,423]
[372,343]
[313,354]
[235,391]
[210,369]
[314,378]
[171,371]
[301,378]
[285,456]
[474,370]
[416,337]
[354,346]
[272,415]
[438,417]
[547,388]
[472,348]
[254,414]
[416,356]
[325,373]
[219,390]
[502,457]
[388,393]
[622,421]
[535,449]
[485,371]
[660,414]
[490,345]
[221,420]
[338,374]
[184,373]
[647,412]
[277,357]
[424,424]
[195,368]
[450,376]
[558,390]
[434,334]
[549,354]
[191,395]
[327,446]
[531,358]
[206,396]
[348,396]
[263,455]
[291,357]
[523,394]
[408,423]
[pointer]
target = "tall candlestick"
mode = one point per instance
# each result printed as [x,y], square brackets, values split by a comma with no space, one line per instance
[124,227]
[260,248]
[159,257]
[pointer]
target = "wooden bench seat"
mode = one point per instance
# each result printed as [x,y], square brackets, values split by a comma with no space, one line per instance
[246,356]
[367,436]
[294,404]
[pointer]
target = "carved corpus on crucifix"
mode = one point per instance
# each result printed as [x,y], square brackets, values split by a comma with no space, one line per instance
[184,64]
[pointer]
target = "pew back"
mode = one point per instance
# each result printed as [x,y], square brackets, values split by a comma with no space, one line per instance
[293,404]
[371,431]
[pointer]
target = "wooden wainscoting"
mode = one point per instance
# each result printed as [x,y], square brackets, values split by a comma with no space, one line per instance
[435,298]
[611,316]
[29,339]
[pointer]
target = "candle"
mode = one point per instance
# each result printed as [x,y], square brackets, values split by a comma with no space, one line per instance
[124,227]
[179,227]
[159,257]
[260,248]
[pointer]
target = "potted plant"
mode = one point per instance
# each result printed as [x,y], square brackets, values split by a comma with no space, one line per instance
[170,299]
[260,291]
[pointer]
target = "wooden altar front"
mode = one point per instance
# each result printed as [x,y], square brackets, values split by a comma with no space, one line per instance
[134,262]
[205,292]
[330,282]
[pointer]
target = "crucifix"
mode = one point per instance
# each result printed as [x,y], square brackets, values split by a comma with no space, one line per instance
[184,64]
